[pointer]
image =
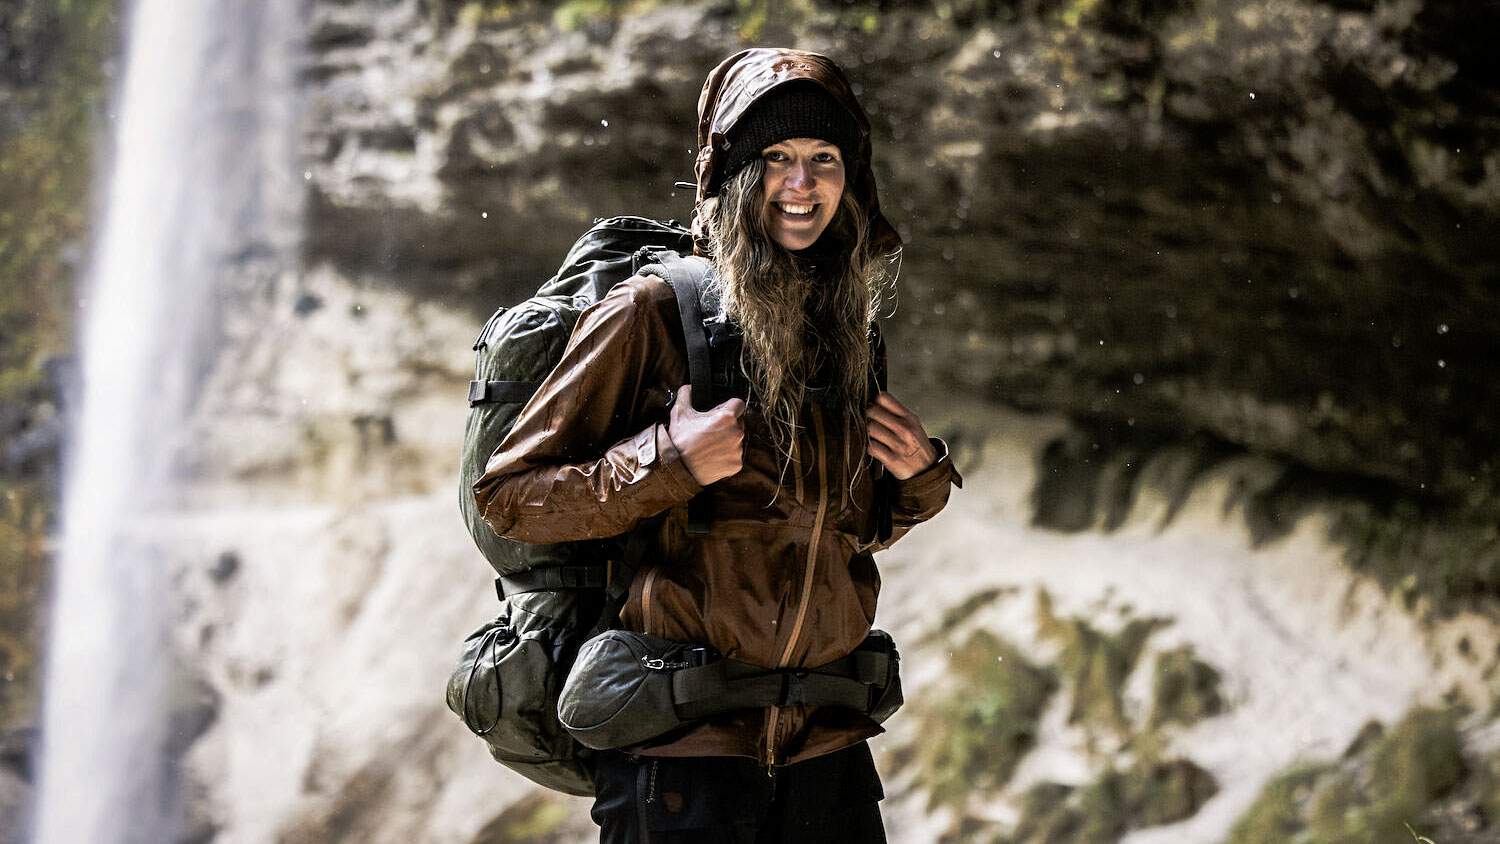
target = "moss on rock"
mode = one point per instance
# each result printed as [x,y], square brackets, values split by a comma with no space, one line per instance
[1377,795]
[52,88]
[1184,690]
[539,818]
[974,735]
[1149,793]
[1096,664]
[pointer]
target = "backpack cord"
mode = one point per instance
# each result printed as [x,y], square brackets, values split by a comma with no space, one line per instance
[488,642]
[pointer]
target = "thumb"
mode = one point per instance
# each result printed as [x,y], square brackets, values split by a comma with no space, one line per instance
[684,398]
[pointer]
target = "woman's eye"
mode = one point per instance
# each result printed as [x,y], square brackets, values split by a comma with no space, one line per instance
[775,155]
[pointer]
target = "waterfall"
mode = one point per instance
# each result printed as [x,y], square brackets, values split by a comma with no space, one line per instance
[200,172]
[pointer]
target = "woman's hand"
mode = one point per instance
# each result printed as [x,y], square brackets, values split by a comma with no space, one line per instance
[897,438]
[712,444]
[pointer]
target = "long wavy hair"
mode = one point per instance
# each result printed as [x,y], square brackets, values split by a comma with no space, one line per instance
[806,319]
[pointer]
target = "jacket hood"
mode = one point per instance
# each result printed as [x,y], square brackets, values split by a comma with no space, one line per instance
[743,79]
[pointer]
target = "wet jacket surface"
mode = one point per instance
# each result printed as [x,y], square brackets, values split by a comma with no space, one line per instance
[785,578]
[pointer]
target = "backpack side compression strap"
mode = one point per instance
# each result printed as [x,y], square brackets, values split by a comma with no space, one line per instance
[481,392]
[551,578]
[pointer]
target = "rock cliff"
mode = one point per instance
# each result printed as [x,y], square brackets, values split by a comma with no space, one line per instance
[1200,291]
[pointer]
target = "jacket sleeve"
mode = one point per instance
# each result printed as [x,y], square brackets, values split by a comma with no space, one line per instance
[589,456]
[923,495]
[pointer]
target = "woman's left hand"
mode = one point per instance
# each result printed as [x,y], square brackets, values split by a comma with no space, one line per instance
[897,438]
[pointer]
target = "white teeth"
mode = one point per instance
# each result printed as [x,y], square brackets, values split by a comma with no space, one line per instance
[796,209]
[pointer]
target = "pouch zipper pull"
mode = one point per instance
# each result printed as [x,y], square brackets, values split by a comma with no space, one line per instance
[656,663]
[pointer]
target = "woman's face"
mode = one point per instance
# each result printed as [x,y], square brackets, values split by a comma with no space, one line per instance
[803,182]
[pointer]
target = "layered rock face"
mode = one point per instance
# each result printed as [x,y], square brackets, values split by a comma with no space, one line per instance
[1228,260]
[1181,279]
[1266,224]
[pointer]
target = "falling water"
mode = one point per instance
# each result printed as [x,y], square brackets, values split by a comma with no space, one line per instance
[199,175]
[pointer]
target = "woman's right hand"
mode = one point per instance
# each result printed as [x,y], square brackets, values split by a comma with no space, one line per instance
[712,443]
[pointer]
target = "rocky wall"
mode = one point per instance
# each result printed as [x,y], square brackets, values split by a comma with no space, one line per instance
[1255,227]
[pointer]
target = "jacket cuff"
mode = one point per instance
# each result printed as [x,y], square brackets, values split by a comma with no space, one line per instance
[934,478]
[671,466]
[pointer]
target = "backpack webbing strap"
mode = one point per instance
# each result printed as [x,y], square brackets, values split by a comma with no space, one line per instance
[686,282]
[619,576]
[482,392]
[547,578]
[853,682]
[700,366]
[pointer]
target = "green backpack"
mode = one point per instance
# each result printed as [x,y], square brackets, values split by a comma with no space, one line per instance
[553,597]
[511,673]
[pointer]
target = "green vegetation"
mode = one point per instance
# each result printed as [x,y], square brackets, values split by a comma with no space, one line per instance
[1095,664]
[1101,812]
[1276,815]
[1184,690]
[535,819]
[957,615]
[567,16]
[54,53]
[575,14]
[45,177]
[1374,797]
[21,576]
[973,738]
[1417,551]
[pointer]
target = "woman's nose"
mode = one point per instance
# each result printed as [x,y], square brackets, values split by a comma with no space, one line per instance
[799,175]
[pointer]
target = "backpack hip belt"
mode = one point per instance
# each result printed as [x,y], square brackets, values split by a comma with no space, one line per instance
[627,688]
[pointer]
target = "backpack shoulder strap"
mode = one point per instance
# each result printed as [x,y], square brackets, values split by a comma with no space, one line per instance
[687,276]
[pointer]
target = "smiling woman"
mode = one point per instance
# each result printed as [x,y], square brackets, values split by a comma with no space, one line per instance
[808,470]
[803,182]
[805,137]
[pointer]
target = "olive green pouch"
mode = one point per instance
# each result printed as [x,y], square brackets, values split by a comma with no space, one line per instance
[505,687]
[627,688]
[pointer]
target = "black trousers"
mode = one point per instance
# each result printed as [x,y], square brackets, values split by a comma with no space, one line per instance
[832,799]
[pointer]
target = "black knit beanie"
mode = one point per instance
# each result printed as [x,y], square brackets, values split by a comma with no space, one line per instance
[796,110]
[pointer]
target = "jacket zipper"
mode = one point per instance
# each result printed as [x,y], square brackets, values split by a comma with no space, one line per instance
[809,569]
[773,717]
[812,546]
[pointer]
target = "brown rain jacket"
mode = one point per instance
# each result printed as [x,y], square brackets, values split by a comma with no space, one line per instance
[784,579]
